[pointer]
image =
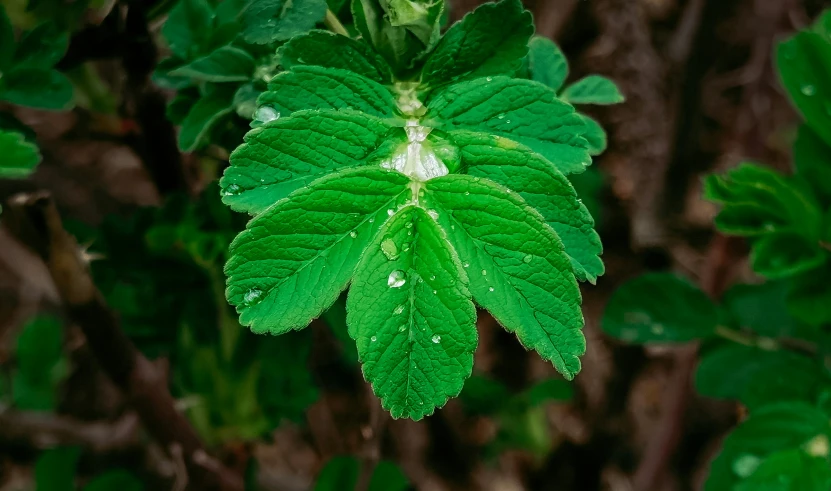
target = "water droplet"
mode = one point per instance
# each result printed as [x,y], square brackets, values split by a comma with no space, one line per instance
[436,338]
[484,272]
[433,277]
[435,291]
[390,212]
[409,232]
[490,289]
[500,116]
[252,296]
[398,311]
[508,121]
[397,279]
[467,193]
[266,114]
[527,259]
[402,328]
[808,90]
[389,248]
[452,227]
[371,220]
[467,265]
[489,79]
[232,190]
[409,225]
[477,179]
[353,234]
[373,338]
[433,214]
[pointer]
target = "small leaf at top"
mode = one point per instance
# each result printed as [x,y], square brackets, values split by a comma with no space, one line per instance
[659,307]
[326,49]
[491,40]
[411,314]
[547,63]
[593,89]
[522,110]
[19,156]
[268,21]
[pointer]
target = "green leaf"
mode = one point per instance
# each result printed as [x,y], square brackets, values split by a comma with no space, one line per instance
[756,377]
[411,314]
[594,135]
[188,27]
[804,66]
[761,308]
[268,21]
[789,470]
[323,48]
[37,88]
[19,156]
[491,40]
[55,469]
[770,429]
[659,307]
[309,243]
[245,100]
[547,63]
[544,188]
[551,389]
[340,473]
[226,64]
[812,158]
[41,47]
[203,116]
[272,164]
[785,254]
[327,88]
[110,481]
[593,89]
[517,267]
[6,40]
[521,110]
[41,365]
[810,295]
[286,387]
[483,395]
[388,477]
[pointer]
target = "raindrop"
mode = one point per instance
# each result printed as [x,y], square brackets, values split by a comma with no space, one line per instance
[397,279]
[409,225]
[484,272]
[500,116]
[467,193]
[527,259]
[266,114]
[371,220]
[232,190]
[433,214]
[390,212]
[489,79]
[490,289]
[467,265]
[389,248]
[434,292]
[402,328]
[398,310]
[808,90]
[477,179]
[436,338]
[252,296]
[353,234]
[432,277]
[373,338]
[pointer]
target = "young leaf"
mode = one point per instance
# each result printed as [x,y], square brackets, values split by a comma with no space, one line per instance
[547,63]
[55,469]
[202,116]
[416,350]
[544,188]
[593,89]
[491,40]
[323,48]
[267,21]
[38,88]
[272,164]
[522,110]
[327,88]
[42,47]
[226,64]
[19,156]
[659,307]
[310,245]
[517,267]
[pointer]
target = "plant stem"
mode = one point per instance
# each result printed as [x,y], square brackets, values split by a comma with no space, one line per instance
[332,23]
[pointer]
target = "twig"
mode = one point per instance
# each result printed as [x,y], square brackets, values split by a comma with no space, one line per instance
[332,23]
[34,219]
[42,430]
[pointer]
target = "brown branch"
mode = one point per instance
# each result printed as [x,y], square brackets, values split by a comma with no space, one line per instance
[34,220]
[42,430]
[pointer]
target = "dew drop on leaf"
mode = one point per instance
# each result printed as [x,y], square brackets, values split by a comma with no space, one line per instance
[527,259]
[433,214]
[409,225]
[232,190]
[353,234]
[397,279]
[500,116]
[432,277]
[489,79]
[252,296]
[390,212]
[266,114]
[477,179]
[808,90]
[389,248]
[398,310]
[436,338]
[490,289]
[373,338]
[467,265]
[484,272]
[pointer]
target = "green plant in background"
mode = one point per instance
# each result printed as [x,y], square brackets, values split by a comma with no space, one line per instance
[521,418]
[55,471]
[343,472]
[426,185]
[27,74]
[20,157]
[765,346]
[40,365]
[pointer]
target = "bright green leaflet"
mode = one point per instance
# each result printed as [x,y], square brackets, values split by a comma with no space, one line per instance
[19,156]
[547,63]
[411,314]
[593,89]
[421,198]
[267,21]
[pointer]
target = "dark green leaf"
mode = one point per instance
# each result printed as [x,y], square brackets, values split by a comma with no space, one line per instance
[285,387]
[323,48]
[659,307]
[783,255]
[388,477]
[6,40]
[41,47]
[812,158]
[37,88]
[202,116]
[339,474]
[55,469]
[114,480]
[548,65]
[268,21]
[188,27]
[226,64]
[483,395]
[810,296]
[552,389]
[41,365]
[19,156]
